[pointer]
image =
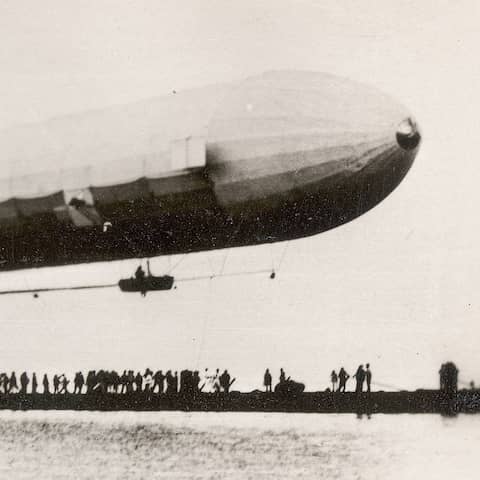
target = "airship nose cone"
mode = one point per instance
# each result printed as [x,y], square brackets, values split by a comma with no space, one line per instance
[408,134]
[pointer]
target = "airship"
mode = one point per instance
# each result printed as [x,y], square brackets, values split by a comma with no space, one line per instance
[274,157]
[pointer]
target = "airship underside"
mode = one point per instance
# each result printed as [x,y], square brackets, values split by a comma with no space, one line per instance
[276,157]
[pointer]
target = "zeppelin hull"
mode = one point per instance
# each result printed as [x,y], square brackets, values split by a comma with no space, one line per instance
[277,157]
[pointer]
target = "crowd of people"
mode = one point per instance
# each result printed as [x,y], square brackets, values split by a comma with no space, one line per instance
[105,381]
[188,382]
[362,376]
[338,380]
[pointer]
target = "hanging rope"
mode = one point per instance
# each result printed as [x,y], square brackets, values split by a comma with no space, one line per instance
[284,254]
[282,258]
[57,289]
[223,275]
[224,262]
[175,265]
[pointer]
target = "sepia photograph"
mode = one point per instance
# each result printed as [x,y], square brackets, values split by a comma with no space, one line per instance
[238,239]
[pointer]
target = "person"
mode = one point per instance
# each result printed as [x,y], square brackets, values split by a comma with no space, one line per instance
[115,379]
[130,381]
[64,382]
[170,379]
[148,377]
[267,380]
[216,381]
[140,273]
[101,378]
[224,381]
[4,382]
[196,382]
[56,383]
[368,377]
[24,381]
[282,378]
[207,382]
[140,277]
[78,382]
[123,382]
[334,379]
[138,382]
[158,379]
[175,382]
[34,383]
[343,376]
[360,378]
[12,383]
[46,385]
[91,380]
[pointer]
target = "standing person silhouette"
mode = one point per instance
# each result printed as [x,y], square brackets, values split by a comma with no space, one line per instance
[56,383]
[46,385]
[267,381]
[334,379]
[158,379]
[34,384]
[64,383]
[24,381]
[123,382]
[343,377]
[139,382]
[12,384]
[368,376]
[360,378]
[140,277]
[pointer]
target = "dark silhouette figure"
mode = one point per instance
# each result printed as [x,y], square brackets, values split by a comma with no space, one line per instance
[4,382]
[34,384]
[91,381]
[46,385]
[138,382]
[449,378]
[101,381]
[64,384]
[140,277]
[267,381]
[288,388]
[282,376]
[115,380]
[334,379]
[158,379]
[123,382]
[196,382]
[130,381]
[186,383]
[171,383]
[360,378]
[343,376]
[12,383]
[24,381]
[368,377]
[140,273]
[224,381]
[56,383]
[78,383]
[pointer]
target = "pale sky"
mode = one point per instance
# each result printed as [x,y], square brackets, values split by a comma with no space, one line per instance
[396,287]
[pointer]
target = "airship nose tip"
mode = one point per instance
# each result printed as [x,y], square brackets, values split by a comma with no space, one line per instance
[408,134]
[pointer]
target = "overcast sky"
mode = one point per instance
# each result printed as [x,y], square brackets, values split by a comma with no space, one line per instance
[397,287]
